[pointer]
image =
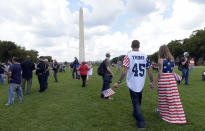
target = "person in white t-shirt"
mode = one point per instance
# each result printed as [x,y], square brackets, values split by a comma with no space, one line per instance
[90,72]
[135,65]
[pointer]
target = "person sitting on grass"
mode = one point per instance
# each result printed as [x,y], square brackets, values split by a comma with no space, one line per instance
[14,82]
[83,72]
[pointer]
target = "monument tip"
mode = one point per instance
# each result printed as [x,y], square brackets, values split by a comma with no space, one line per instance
[81,8]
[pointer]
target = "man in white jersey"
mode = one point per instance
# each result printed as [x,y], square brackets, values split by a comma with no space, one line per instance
[135,65]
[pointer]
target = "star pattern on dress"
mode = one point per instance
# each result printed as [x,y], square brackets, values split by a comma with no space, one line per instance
[168,66]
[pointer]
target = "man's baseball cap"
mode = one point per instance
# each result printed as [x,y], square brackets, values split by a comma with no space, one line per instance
[41,57]
[107,54]
[185,53]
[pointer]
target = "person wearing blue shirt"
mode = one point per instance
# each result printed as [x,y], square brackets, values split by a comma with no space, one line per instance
[75,67]
[14,82]
[185,67]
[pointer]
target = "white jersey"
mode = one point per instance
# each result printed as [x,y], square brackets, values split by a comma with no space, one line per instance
[137,62]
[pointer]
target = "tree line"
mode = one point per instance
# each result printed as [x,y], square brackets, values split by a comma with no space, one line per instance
[9,49]
[195,45]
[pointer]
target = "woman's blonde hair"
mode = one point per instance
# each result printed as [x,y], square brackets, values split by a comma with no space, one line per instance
[165,53]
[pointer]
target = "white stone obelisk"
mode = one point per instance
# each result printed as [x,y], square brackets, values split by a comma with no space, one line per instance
[81,37]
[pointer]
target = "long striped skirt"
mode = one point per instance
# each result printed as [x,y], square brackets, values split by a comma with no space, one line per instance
[169,103]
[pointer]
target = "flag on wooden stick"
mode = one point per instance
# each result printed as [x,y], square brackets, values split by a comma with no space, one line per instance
[108,92]
[177,77]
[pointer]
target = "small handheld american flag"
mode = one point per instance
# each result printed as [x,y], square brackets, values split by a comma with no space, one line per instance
[177,77]
[108,92]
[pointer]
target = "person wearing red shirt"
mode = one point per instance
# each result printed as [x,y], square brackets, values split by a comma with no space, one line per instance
[83,72]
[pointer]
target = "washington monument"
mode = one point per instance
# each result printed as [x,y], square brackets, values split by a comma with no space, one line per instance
[81,37]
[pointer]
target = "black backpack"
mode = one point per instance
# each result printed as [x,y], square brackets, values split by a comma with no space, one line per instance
[180,65]
[101,69]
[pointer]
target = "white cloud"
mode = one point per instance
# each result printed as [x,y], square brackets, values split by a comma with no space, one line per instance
[51,28]
[117,44]
[103,12]
[97,30]
[140,7]
[187,15]
[157,30]
[198,1]
[37,24]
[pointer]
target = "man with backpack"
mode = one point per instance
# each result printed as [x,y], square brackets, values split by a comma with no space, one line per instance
[40,71]
[75,66]
[106,73]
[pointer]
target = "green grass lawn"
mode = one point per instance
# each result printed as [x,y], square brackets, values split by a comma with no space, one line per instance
[65,106]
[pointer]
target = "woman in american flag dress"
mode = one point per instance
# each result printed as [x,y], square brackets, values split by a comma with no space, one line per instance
[169,103]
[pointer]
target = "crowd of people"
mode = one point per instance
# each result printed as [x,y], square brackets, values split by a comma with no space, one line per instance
[135,65]
[20,76]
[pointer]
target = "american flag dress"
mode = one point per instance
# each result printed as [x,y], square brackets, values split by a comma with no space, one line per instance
[169,103]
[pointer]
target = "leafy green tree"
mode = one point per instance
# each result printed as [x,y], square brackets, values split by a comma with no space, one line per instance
[176,48]
[195,45]
[9,49]
[49,58]
[116,59]
[154,57]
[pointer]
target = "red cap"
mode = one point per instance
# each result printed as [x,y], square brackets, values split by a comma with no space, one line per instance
[83,63]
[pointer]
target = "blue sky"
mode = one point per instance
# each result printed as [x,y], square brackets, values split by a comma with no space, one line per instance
[51,27]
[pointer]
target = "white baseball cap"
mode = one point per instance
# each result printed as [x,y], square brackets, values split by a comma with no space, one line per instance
[185,53]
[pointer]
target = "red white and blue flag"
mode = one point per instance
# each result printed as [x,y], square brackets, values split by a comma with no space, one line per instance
[177,77]
[108,92]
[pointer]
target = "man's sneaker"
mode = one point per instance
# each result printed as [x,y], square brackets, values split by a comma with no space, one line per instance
[7,104]
[157,111]
[141,128]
